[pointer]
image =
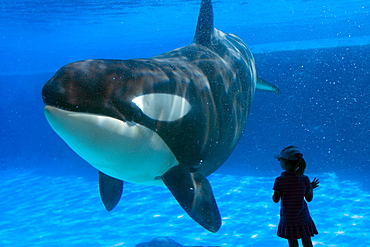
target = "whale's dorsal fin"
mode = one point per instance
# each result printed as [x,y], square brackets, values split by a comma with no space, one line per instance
[204,31]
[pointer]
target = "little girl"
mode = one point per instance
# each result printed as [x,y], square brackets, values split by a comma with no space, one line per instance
[293,187]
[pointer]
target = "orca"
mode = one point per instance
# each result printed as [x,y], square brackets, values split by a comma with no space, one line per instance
[169,120]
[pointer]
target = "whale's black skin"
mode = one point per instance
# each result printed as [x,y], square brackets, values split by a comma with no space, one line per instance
[215,74]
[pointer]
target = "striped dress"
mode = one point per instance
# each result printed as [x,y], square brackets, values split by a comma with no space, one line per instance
[295,220]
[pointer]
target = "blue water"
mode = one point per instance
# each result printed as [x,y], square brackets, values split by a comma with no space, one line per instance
[66,211]
[316,52]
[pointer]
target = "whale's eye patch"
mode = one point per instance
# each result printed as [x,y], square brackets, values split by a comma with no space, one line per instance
[163,107]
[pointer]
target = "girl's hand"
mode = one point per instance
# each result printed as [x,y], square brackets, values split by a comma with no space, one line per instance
[315,183]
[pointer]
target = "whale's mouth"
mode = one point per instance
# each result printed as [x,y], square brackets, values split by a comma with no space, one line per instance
[93,106]
[124,150]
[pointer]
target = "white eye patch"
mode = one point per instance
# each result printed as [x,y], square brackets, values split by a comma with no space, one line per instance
[163,107]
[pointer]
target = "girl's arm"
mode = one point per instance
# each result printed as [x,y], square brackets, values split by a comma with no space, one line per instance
[309,192]
[276,196]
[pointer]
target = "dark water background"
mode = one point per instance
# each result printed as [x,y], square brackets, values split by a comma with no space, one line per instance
[316,52]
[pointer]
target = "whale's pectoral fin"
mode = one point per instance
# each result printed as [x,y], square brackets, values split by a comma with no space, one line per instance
[110,190]
[266,86]
[194,193]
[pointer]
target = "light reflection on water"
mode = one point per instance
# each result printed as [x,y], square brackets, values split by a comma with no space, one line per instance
[66,211]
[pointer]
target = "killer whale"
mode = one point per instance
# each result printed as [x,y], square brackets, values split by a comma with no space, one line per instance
[171,120]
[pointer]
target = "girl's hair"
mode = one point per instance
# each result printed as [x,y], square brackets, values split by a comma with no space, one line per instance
[298,166]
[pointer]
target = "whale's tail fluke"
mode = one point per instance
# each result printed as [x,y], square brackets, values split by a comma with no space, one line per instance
[266,86]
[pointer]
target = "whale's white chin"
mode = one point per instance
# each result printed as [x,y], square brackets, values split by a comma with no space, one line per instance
[123,150]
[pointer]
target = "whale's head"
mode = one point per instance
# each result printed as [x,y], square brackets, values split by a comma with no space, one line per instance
[110,118]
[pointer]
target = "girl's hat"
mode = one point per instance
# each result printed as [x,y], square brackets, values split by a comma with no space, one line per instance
[289,153]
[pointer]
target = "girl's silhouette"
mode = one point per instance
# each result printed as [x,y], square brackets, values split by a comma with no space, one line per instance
[293,188]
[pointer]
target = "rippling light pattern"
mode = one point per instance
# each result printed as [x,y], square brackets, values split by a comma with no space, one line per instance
[66,211]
